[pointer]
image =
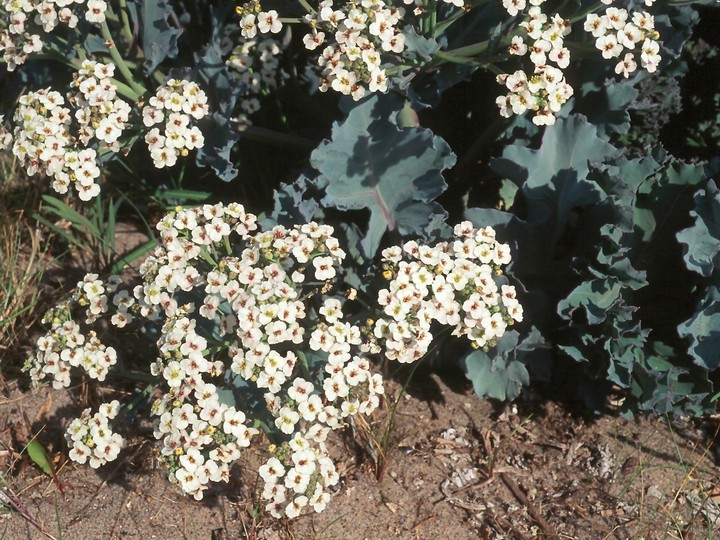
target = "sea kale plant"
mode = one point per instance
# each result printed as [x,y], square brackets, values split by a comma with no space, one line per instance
[254,343]
[584,257]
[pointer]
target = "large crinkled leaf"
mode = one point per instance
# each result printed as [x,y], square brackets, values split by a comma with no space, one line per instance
[702,240]
[594,297]
[703,330]
[294,203]
[572,143]
[159,39]
[553,179]
[223,90]
[500,377]
[371,163]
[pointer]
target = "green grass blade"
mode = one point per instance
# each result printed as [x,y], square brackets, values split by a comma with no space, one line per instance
[134,255]
[62,210]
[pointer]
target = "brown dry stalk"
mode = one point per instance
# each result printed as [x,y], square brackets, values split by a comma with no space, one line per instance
[522,498]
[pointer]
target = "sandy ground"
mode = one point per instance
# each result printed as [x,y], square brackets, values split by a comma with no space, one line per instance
[458,468]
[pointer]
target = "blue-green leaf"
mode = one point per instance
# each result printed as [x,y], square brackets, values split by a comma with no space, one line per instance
[570,144]
[371,163]
[502,373]
[159,39]
[703,331]
[702,240]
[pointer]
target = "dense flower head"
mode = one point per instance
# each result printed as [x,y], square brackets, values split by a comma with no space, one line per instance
[618,31]
[355,40]
[545,89]
[253,340]
[61,135]
[620,36]
[66,345]
[65,136]
[457,284]
[91,438]
[25,23]
[254,295]
[176,106]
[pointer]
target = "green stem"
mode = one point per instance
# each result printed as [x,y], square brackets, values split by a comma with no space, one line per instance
[80,52]
[454,58]
[432,20]
[444,25]
[208,258]
[584,14]
[307,7]
[125,20]
[124,90]
[137,88]
[275,137]
[385,443]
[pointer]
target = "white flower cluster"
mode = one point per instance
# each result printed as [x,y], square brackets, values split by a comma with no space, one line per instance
[65,346]
[545,90]
[91,438]
[236,319]
[176,105]
[23,22]
[254,20]
[361,35]
[49,138]
[99,112]
[297,476]
[457,284]
[255,64]
[616,31]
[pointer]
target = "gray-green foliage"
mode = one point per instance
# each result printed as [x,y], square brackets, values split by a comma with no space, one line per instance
[595,249]
[395,173]
[615,242]
[702,255]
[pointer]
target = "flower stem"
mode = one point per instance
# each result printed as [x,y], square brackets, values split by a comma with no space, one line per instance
[137,88]
[275,137]
[307,6]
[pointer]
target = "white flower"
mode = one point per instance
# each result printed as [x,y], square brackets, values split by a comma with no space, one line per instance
[95,11]
[626,66]
[324,268]
[269,22]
